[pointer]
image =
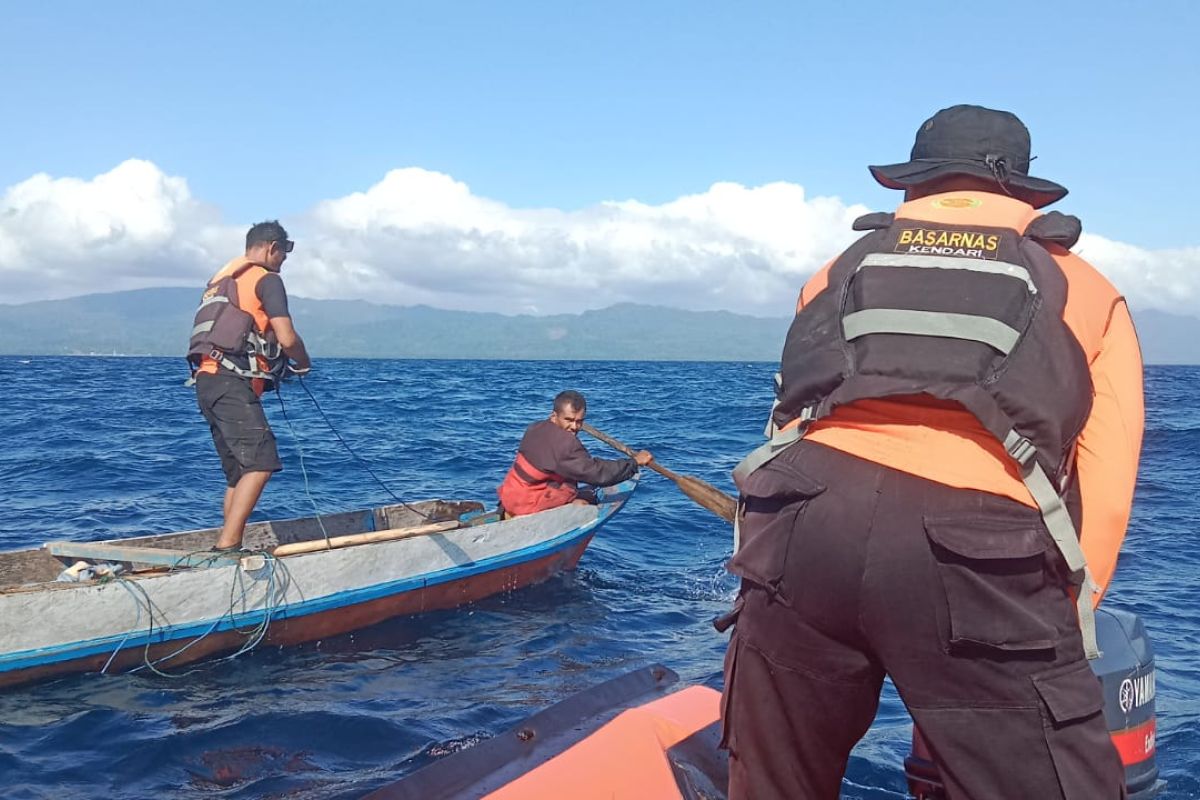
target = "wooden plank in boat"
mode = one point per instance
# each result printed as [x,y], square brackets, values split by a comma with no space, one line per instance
[100,551]
[363,538]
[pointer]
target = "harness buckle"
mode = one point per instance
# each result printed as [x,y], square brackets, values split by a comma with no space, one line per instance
[1021,449]
[215,354]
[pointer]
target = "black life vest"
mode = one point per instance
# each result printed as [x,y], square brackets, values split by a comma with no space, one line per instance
[238,339]
[980,324]
[970,312]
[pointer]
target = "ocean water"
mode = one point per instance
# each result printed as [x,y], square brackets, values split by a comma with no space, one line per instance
[109,447]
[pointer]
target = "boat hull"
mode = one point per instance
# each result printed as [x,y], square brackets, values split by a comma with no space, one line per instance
[638,736]
[308,597]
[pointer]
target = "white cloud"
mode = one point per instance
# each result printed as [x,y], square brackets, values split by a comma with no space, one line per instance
[422,237]
[1168,280]
[128,228]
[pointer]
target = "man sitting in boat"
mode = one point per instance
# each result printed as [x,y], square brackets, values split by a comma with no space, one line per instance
[551,463]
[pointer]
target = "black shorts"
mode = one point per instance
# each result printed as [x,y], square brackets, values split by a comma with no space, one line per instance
[239,427]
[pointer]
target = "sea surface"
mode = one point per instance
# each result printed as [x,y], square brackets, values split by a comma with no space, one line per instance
[107,447]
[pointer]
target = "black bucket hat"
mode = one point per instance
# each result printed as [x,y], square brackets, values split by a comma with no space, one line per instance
[972,140]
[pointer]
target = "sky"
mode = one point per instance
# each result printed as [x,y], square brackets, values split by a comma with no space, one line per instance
[553,157]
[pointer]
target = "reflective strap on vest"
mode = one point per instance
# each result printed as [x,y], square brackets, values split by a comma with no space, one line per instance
[216,298]
[948,262]
[203,327]
[737,524]
[991,332]
[1062,531]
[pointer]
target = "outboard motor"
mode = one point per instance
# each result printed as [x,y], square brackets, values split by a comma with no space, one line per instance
[1126,672]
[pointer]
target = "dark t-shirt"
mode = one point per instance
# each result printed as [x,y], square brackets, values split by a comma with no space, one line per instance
[273,296]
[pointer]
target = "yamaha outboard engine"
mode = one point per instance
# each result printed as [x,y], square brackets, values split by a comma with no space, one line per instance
[1126,671]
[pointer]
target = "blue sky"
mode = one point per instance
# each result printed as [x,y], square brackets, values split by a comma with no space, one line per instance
[271,109]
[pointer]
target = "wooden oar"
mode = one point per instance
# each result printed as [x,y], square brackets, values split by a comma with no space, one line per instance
[705,494]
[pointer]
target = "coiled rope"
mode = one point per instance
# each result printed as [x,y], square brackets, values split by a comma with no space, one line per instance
[278,580]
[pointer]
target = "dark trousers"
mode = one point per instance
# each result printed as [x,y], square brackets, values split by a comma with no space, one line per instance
[852,571]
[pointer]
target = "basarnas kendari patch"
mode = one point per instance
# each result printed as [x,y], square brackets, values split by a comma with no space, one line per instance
[939,242]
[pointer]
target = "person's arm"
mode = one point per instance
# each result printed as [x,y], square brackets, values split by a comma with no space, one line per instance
[575,463]
[291,342]
[274,300]
[1109,446]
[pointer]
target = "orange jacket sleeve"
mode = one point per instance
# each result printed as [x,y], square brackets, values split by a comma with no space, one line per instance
[1110,444]
[816,284]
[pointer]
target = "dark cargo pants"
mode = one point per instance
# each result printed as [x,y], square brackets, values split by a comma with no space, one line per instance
[852,570]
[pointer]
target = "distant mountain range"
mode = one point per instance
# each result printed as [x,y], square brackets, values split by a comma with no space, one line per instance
[157,321]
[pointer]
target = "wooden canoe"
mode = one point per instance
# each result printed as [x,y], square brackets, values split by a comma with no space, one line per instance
[175,603]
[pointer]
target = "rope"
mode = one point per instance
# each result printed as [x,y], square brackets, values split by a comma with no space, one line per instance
[350,450]
[136,623]
[274,593]
[303,469]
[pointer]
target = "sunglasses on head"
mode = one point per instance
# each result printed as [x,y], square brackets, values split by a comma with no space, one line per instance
[285,245]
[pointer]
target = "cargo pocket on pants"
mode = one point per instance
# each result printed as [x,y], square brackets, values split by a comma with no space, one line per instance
[1001,588]
[727,737]
[1076,734]
[773,502]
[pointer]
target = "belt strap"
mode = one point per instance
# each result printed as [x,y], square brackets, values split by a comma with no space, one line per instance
[759,456]
[778,441]
[244,373]
[525,476]
[1062,531]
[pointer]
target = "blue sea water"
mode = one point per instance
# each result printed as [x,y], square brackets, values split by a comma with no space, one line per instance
[109,447]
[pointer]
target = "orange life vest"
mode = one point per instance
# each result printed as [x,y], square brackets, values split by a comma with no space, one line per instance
[527,489]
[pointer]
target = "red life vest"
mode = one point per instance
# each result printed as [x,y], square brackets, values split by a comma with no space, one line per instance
[527,489]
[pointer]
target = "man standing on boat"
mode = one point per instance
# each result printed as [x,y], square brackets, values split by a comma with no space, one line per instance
[953,454]
[551,462]
[241,341]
